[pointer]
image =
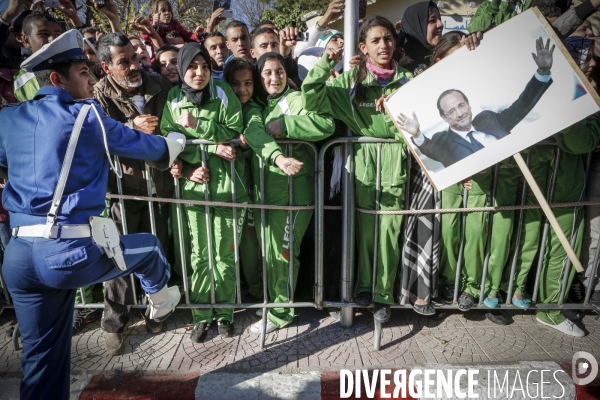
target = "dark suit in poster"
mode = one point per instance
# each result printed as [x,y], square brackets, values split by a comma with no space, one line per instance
[448,147]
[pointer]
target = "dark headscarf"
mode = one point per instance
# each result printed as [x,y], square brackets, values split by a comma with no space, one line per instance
[579,48]
[261,94]
[186,55]
[414,26]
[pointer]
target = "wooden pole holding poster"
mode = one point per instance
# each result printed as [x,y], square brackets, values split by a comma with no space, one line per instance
[548,212]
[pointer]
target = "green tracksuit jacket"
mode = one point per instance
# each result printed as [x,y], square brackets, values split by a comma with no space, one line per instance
[494,12]
[220,119]
[362,118]
[26,85]
[297,123]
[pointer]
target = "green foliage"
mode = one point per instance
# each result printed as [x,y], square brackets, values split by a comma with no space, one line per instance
[191,13]
[288,11]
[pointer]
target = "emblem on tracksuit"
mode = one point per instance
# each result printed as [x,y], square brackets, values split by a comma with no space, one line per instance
[286,240]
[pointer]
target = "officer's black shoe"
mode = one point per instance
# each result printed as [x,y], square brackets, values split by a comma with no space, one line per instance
[152,326]
[225,329]
[83,316]
[363,299]
[115,345]
[381,312]
[199,332]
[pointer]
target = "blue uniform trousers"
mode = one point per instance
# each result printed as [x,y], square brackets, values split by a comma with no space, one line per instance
[42,276]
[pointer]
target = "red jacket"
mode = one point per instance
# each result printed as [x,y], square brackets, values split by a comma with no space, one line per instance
[174,25]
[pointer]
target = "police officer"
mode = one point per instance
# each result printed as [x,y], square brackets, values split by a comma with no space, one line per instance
[55,249]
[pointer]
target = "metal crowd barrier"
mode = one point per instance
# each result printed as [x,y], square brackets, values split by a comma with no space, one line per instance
[460,260]
[207,203]
[348,251]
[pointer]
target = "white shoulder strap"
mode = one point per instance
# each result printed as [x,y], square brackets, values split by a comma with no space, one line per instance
[64,171]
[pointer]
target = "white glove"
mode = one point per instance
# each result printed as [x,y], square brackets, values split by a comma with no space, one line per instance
[178,137]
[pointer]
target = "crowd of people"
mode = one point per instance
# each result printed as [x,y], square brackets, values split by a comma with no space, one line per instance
[264,84]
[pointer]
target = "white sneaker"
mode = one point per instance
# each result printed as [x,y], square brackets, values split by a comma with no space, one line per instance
[162,303]
[259,312]
[257,327]
[567,327]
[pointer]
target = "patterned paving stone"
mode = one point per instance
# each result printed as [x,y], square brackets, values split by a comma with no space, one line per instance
[398,347]
[10,360]
[143,350]
[316,341]
[562,347]
[448,340]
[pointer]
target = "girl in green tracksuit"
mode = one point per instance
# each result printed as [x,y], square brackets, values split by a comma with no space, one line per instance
[208,109]
[355,98]
[283,117]
[239,73]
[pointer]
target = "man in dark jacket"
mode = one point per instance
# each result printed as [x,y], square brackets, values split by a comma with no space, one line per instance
[136,99]
[467,135]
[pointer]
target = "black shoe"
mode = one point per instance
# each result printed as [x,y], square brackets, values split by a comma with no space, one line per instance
[83,316]
[448,293]
[437,301]
[465,301]
[152,326]
[363,299]
[225,329]
[572,315]
[199,332]
[424,309]
[381,312]
[2,301]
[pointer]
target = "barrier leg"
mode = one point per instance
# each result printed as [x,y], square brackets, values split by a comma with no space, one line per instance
[124,223]
[263,247]
[377,336]
[348,226]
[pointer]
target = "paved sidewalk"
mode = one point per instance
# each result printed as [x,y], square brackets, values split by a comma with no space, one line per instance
[314,344]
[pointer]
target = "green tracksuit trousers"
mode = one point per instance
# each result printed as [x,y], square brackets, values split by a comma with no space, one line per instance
[502,227]
[221,223]
[250,254]
[278,226]
[185,240]
[450,227]
[88,295]
[388,245]
[529,241]
[250,250]
[475,236]
[555,263]
[570,187]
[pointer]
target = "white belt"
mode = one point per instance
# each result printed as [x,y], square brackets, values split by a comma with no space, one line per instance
[57,231]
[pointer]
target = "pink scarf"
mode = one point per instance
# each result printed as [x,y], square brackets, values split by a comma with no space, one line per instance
[381,73]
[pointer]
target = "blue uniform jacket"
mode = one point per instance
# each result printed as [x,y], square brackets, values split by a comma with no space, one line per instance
[33,141]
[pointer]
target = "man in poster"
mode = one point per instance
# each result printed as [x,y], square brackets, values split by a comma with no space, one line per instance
[465,134]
